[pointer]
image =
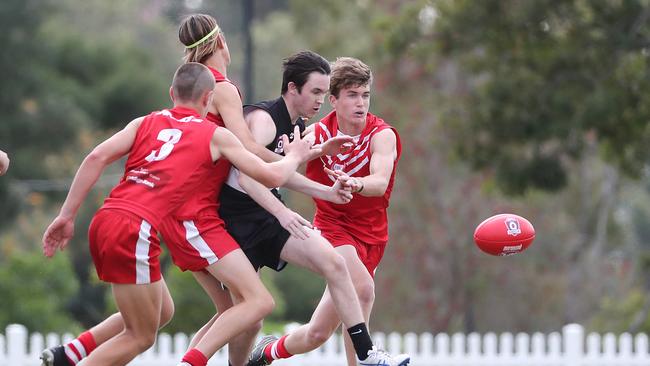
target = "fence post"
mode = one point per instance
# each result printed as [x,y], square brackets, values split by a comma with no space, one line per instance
[573,344]
[16,344]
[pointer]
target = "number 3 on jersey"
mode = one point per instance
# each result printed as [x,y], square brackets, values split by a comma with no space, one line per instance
[170,137]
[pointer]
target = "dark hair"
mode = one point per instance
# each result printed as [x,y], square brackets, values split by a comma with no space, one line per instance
[349,72]
[296,68]
[191,81]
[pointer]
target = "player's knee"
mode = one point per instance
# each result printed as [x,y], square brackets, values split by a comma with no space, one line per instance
[365,292]
[334,265]
[265,304]
[167,313]
[254,329]
[317,336]
[144,341]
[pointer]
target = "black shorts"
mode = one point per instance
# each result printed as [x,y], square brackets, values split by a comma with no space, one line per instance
[257,232]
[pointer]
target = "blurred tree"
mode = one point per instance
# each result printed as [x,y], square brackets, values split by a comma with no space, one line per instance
[547,77]
[550,83]
[36,292]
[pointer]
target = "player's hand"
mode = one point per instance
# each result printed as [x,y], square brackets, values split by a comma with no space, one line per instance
[303,148]
[57,235]
[347,181]
[340,194]
[336,145]
[295,224]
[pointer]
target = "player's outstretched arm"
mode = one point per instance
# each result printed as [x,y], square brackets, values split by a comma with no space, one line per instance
[60,231]
[4,162]
[337,193]
[290,220]
[333,146]
[275,174]
[229,105]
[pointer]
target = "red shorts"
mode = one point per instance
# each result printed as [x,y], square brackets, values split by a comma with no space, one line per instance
[369,254]
[124,247]
[196,244]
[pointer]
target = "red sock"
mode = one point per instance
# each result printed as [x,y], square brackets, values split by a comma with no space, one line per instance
[88,341]
[276,350]
[80,347]
[195,358]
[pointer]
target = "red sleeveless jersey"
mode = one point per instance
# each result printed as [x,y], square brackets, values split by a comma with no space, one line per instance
[169,158]
[364,218]
[204,199]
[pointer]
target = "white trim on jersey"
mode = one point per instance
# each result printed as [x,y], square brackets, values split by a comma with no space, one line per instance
[358,167]
[325,129]
[233,179]
[142,272]
[193,237]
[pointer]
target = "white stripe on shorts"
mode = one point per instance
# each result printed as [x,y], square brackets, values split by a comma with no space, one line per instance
[193,237]
[142,273]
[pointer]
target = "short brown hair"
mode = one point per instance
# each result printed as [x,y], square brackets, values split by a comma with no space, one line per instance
[348,72]
[191,81]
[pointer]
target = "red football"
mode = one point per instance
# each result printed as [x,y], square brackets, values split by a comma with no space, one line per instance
[504,234]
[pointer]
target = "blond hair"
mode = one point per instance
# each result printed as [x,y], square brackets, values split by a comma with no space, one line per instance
[348,72]
[192,30]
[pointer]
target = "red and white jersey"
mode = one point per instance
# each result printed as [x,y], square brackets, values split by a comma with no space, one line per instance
[364,218]
[169,158]
[204,200]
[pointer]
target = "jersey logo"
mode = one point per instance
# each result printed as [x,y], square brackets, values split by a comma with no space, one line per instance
[279,146]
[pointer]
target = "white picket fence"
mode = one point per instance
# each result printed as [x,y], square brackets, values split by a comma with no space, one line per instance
[568,348]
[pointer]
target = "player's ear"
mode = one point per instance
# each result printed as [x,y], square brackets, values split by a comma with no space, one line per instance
[221,41]
[332,100]
[171,93]
[291,86]
[207,98]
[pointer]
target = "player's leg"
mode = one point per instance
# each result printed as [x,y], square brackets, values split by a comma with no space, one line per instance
[316,254]
[325,320]
[238,347]
[140,306]
[235,271]
[220,298]
[365,288]
[79,348]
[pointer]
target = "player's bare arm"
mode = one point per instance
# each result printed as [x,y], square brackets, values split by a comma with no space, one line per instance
[337,193]
[61,230]
[384,151]
[224,143]
[229,106]
[4,162]
[290,220]
[263,130]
